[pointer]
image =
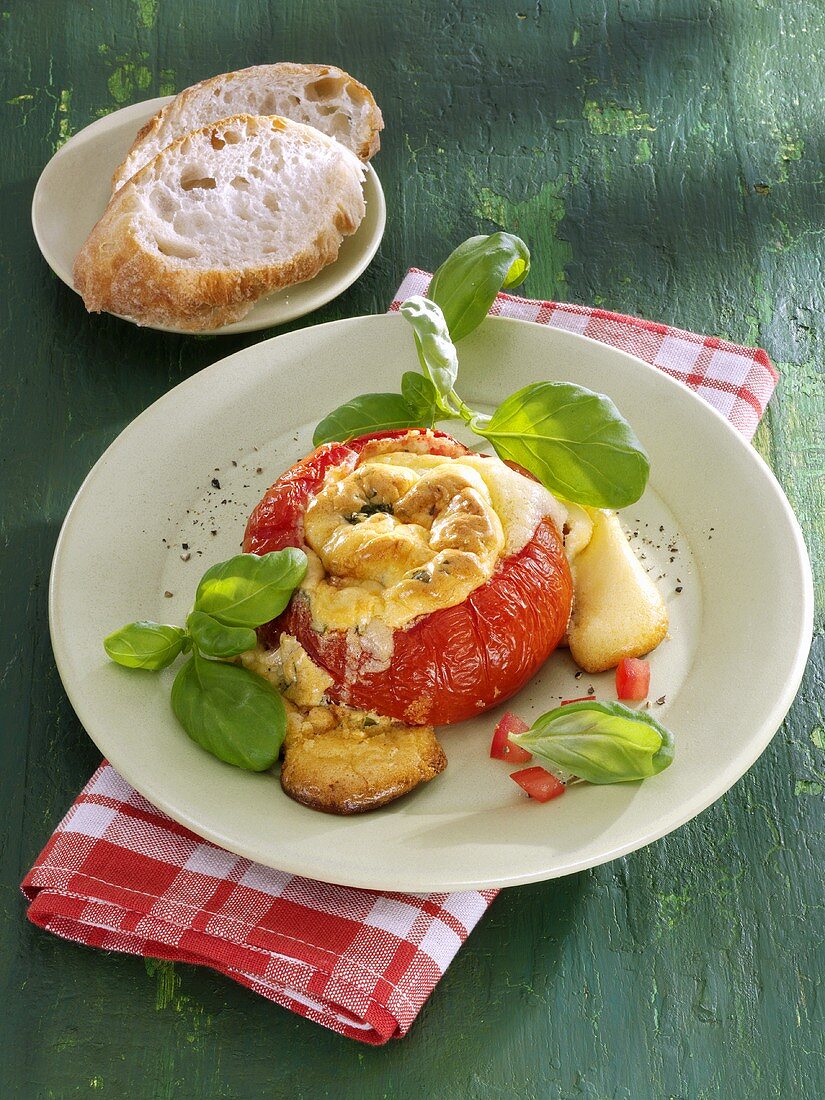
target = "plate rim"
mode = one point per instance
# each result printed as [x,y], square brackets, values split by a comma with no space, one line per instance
[235,328]
[691,808]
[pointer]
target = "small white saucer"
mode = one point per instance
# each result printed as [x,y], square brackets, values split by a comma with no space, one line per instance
[75,186]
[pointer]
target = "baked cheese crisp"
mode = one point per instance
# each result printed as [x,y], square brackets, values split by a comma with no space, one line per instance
[407,534]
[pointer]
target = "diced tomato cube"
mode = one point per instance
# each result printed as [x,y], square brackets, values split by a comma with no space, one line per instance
[538,783]
[632,678]
[502,748]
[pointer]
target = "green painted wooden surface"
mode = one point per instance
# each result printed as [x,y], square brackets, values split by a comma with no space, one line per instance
[661,158]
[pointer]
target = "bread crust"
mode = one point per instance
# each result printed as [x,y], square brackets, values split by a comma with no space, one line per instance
[114,271]
[365,150]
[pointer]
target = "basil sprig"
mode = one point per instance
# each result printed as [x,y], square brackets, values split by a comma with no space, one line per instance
[145,645]
[249,590]
[424,398]
[228,710]
[436,351]
[575,441]
[466,284]
[600,742]
[421,397]
[371,412]
[215,638]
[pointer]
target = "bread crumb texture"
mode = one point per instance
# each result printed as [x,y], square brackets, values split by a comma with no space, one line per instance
[221,217]
[322,96]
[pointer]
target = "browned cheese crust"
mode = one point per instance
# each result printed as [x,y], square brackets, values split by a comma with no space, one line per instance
[332,762]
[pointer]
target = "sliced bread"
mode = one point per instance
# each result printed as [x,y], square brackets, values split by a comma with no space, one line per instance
[218,219]
[318,95]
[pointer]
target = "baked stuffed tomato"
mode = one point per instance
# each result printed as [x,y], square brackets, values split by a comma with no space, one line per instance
[437,582]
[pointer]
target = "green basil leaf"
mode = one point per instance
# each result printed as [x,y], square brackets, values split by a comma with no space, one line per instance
[575,441]
[230,712]
[371,412]
[216,640]
[422,396]
[145,645]
[436,351]
[249,590]
[467,282]
[600,742]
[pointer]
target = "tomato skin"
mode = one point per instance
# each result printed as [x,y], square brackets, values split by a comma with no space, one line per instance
[445,666]
[278,519]
[501,748]
[632,679]
[461,660]
[539,784]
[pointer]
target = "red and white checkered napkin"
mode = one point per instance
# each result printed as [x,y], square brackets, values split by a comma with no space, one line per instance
[735,380]
[120,875]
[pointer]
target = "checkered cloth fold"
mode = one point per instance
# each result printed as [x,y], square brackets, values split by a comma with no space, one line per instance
[736,381]
[120,875]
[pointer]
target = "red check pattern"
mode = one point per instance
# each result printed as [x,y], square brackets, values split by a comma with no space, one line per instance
[120,875]
[736,381]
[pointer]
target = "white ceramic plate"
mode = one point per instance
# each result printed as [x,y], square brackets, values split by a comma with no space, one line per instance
[75,186]
[714,523]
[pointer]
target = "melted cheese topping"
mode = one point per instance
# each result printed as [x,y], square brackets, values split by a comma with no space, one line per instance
[617,609]
[409,532]
[406,534]
[291,670]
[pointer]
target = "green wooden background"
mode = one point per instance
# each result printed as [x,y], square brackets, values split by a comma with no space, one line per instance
[661,158]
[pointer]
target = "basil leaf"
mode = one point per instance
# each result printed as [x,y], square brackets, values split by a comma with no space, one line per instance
[436,351]
[422,396]
[230,712]
[466,284]
[575,441]
[600,742]
[216,640]
[145,645]
[249,590]
[371,412]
